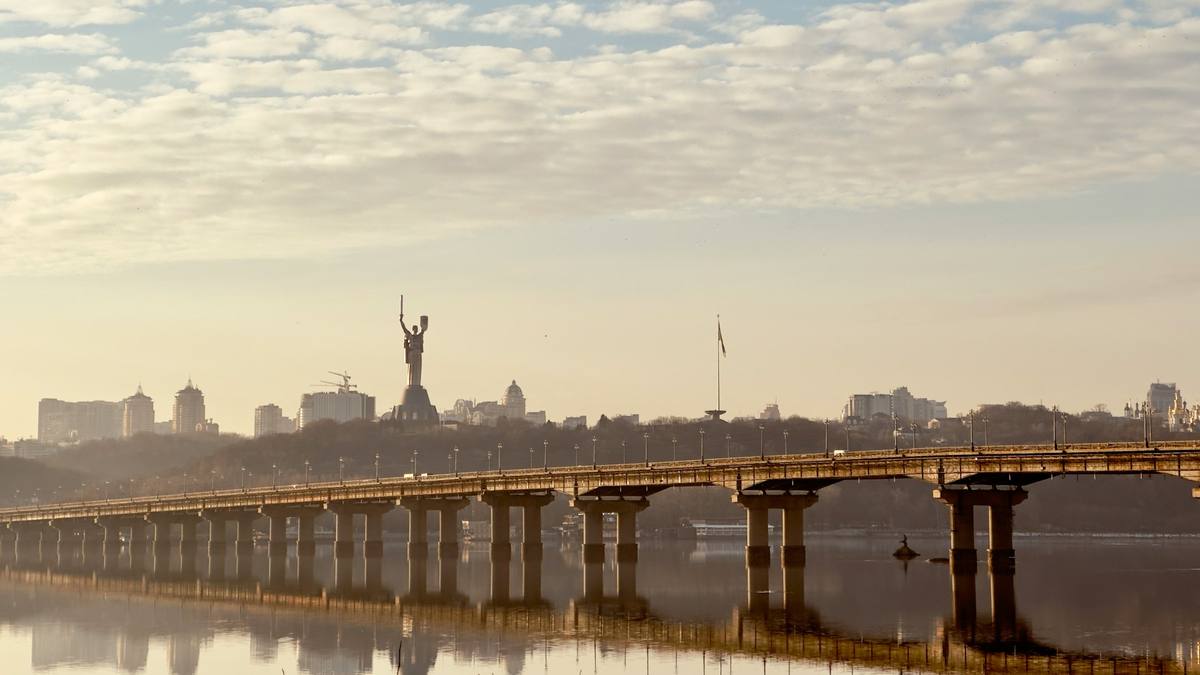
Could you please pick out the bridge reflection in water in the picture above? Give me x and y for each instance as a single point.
(774, 624)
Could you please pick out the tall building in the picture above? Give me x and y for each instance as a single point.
(188, 414)
(576, 422)
(770, 413)
(1160, 397)
(900, 402)
(267, 419)
(138, 414)
(339, 406)
(67, 421)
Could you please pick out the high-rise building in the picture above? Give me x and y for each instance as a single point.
(188, 414)
(67, 421)
(900, 403)
(577, 422)
(770, 413)
(138, 414)
(267, 420)
(1160, 397)
(339, 406)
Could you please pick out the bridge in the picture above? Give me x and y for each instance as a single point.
(962, 478)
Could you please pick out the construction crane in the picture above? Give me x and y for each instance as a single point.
(343, 387)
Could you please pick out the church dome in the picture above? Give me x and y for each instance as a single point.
(513, 392)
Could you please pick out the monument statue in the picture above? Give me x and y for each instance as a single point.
(415, 406)
(414, 346)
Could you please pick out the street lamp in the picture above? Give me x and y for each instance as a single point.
(274, 475)
(674, 449)
(377, 467)
(593, 452)
(622, 451)
(762, 448)
(212, 482)
(727, 439)
(456, 460)
(546, 455)
(531, 457)
(106, 484)
(307, 468)
(785, 444)
(576, 454)
(702, 446)
(342, 470)
(914, 435)
(971, 425)
(646, 447)
(847, 436)
(827, 437)
(244, 478)
(1054, 425)
(499, 461)
(985, 436)
(415, 453)
(895, 433)
(1064, 425)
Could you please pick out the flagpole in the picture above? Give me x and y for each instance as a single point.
(718, 362)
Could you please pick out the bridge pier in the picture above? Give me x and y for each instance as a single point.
(8, 542)
(962, 503)
(244, 546)
(593, 526)
(372, 512)
(758, 507)
(305, 516)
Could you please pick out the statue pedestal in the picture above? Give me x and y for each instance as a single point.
(415, 406)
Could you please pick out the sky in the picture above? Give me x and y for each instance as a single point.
(982, 200)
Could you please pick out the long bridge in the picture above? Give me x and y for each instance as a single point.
(962, 478)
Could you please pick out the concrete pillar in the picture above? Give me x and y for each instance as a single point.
(418, 531)
(448, 533)
(50, 538)
(758, 588)
(277, 566)
(245, 533)
(216, 559)
(187, 536)
(305, 570)
(1004, 605)
(626, 576)
(447, 576)
(501, 570)
(627, 536)
(93, 540)
(593, 580)
(8, 541)
(758, 548)
(162, 534)
(961, 503)
(306, 533)
(29, 541)
(216, 535)
(793, 592)
(418, 576)
(593, 534)
(501, 545)
(531, 579)
(962, 591)
(343, 533)
(137, 539)
(111, 529)
(373, 537)
(373, 573)
(793, 536)
(277, 545)
(531, 532)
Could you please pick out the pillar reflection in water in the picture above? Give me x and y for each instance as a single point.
(1004, 605)
(305, 569)
(448, 576)
(593, 581)
(276, 567)
(216, 564)
(418, 571)
(531, 577)
(501, 569)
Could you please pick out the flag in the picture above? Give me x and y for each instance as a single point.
(720, 338)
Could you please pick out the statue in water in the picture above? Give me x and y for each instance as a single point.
(414, 345)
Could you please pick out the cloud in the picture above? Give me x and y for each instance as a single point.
(71, 12)
(296, 133)
(52, 42)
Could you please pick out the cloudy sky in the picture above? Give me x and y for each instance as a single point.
(984, 200)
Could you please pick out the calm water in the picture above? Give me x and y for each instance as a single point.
(684, 608)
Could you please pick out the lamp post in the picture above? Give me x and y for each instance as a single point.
(377, 467)
(646, 447)
(106, 485)
(546, 455)
(1054, 425)
(1064, 426)
(212, 481)
(674, 449)
(456, 460)
(971, 425)
(702, 446)
(785, 443)
(728, 438)
(414, 460)
(342, 470)
(593, 452)
(847, 436)
(762, 448)
(499, 462)
(244, 479)
(623, 460)
(274, 475)
(826, 437)
(576, 454)
(531, 457)
(489, 462)
(307, 470)
(895, 434)
(913, 428)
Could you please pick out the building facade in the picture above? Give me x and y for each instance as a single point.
(137, 416)
(71, 421)
(511, 406)
(187, 416)
(339, 406)
(1160, 397)
(901, 403)
(576, 422)
(267, 419)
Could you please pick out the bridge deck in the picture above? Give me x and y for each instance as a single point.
(996, 465)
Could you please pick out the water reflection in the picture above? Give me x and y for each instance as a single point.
(321, 614)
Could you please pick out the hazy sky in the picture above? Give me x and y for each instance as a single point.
(985, 201)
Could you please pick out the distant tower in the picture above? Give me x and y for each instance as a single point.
(267, 419)
(514, 402)
(138, 415)
(189, 410)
